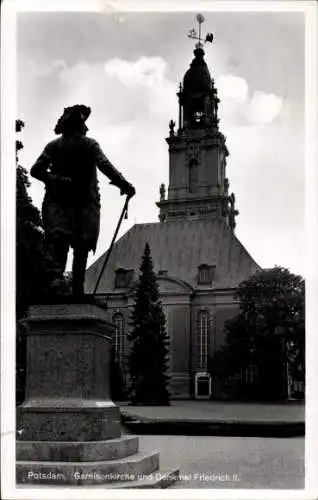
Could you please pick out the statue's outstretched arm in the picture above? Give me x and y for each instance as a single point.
(108, 169)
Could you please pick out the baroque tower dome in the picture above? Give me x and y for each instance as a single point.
(197, 78)
(198, 97)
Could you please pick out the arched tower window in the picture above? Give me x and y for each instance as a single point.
(119, 336)
(203, 339)
(193, 175)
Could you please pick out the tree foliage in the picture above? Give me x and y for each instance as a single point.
(148, 359)
(269, 331)
(33, 265)
(272, 303)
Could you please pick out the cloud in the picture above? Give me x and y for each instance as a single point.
(232, 88)
(149, 75)
(145, 71)
(264, 108)
(238, 108)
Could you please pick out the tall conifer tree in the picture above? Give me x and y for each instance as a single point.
(148, 360)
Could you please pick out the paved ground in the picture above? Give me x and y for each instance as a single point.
(220, 411)
(231, 462)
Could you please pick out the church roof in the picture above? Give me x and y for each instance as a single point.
(178, 247)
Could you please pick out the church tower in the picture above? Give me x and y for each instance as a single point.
(198, 186)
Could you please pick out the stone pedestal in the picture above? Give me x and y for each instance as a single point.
(68, 428)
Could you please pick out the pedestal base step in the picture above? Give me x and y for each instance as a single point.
(127, 469)
(78, 451)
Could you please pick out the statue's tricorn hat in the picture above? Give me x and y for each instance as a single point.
(73, 118)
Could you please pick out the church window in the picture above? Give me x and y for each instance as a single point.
(206, 274)
(193, 175)
(250, 374)
(203, 339)
(162, 272)
(120, 278)
(123, 277)
(119, 336)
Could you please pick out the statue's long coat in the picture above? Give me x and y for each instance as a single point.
(72, 210)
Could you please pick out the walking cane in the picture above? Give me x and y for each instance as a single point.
(124, 214)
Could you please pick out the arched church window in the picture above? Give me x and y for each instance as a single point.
(119, 336)
(203, 339)
(251, 373)
(193, 175)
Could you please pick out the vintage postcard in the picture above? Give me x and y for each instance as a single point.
(159, 249)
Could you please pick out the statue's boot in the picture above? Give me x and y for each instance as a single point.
(58, 249)
(78, 271)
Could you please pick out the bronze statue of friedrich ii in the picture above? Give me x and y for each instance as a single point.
(71, 205)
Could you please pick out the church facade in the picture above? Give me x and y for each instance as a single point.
(198, 259)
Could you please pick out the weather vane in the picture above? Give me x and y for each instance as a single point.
(194, 35)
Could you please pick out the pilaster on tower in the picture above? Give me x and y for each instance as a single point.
(198, 187)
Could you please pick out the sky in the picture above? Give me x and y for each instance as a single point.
(127, 68)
